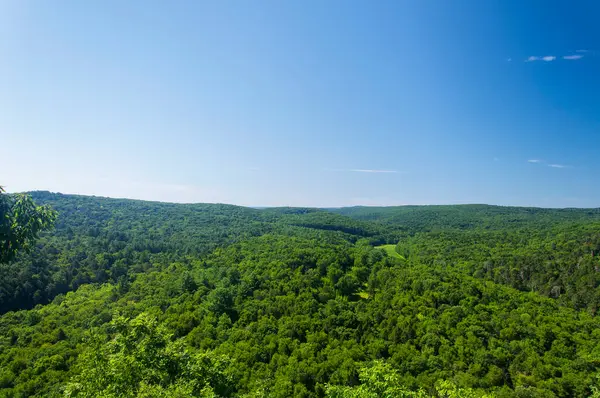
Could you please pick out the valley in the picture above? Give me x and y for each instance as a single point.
(133, 298)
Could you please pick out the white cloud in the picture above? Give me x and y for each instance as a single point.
(553, 165)
(550, 58)
(546, 58)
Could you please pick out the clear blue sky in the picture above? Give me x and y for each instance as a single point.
(303, 103)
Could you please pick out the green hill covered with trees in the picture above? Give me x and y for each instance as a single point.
(128, 298)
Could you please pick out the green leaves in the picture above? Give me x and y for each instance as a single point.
(21, 222)
(378, 380)
(138, 359)
(226, 301)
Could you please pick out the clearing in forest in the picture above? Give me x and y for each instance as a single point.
(391, 251)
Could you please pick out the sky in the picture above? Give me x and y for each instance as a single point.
(303, 103)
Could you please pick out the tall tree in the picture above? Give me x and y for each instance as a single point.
(21, 221)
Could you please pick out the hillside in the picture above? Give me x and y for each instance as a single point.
(126, 298)
(98, 240)
(554, 252)
(442, 217)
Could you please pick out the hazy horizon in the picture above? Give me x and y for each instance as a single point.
(310, 207)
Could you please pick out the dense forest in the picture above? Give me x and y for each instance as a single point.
(126, 298)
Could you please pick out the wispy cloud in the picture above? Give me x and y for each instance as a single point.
(546, 58)
(553, 165)
(364, 171)
(372, 171)
(550, 58)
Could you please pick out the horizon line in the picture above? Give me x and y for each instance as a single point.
(307, 207)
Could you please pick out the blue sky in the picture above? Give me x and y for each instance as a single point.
(305, 103)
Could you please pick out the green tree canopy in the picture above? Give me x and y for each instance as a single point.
(140, 360)
(21, 221)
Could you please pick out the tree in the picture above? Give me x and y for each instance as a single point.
(21, 221)
(377, 380)
(138, 359)
(380, 380)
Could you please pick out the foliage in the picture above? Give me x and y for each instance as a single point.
(466, 217)
(377, 380)
(555, 252)
(140, 360)
(391, 251)
(192, 300)
(100, 240)
(21, 222)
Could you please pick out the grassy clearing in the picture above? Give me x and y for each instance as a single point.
(391, 251)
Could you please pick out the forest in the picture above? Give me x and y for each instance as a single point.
(126, 298)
